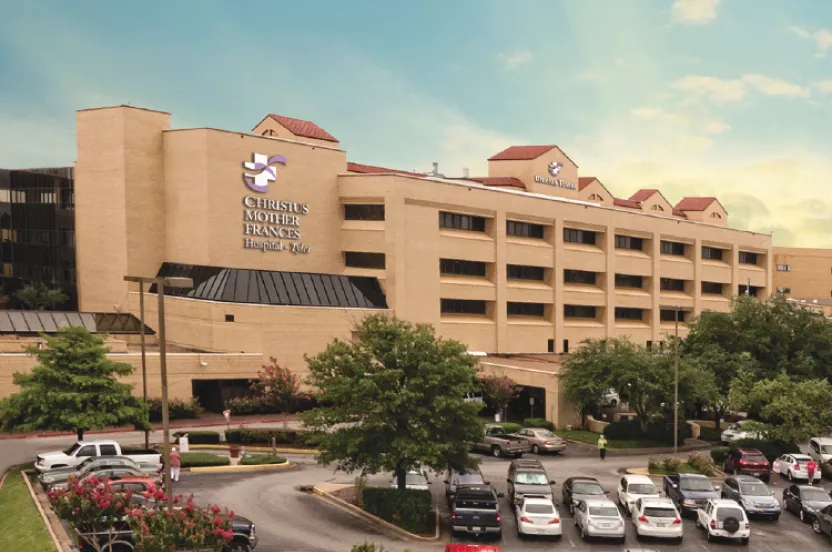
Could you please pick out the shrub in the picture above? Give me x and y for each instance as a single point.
(177, 409)
(511, 427)
(770, 449)
(539, 422)
(242, 406)
(203, 459)
(367, 546)
(199, 437)
(263, 436)
(654, 464)
(671, 464)
(261, 459)
(704, 464)
(659, 431)
(408, 509)
(718, 454)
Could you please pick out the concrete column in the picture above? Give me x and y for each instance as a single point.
(557, 282)
(500, 309)
(697, 276)
(395, 284)
(655, 287)
(609, 281)
(735, 270)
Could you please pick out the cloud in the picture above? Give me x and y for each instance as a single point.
(695, 122)
(693, 11)
(722, 91)
(824, 86)
(716, 127)
(659, 114)
(512, 60)
(822, 39)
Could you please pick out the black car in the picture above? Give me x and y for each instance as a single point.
(823, 521)
(576, 489)
(805, 501)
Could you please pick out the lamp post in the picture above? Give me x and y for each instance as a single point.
(161, 283)
(676, 386)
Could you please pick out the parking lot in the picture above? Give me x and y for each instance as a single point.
(291, 521)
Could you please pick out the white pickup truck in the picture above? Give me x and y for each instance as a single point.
(83, 450)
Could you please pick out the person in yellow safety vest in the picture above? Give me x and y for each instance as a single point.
(602, 446)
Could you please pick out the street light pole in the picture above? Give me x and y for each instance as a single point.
(144, 358)
(676, 387)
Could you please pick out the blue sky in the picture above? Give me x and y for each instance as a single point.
(731, 98)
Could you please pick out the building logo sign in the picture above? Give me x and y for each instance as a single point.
(554, 170)
(555, 167)
(259, 181)
(270, 224)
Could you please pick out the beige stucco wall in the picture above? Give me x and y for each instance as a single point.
(809, 274)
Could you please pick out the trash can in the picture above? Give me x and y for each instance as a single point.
(183, 443)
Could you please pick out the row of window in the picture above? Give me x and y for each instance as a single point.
(472, 306)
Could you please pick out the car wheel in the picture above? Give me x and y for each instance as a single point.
(790, 476)
(496, 452)
(711, 537)
(239, 547)
(535, 449)
(816, 526)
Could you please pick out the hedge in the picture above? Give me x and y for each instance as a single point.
(770, 449)
(242, 436)
(510, 427)
(177, 409)
(659, 432)
(242, 406)
(409, 509)
(261, 459)
(199, 437)
(203, 459)
(719, 454)
(539, 422)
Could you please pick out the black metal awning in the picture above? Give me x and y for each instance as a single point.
(36, 322)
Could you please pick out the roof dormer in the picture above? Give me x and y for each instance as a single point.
(278, 126)
(542, 169)
(704, 209)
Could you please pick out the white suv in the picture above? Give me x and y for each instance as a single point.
(723, 518)
(633, 487)
(657, 517)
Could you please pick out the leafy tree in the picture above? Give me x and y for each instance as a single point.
(37, 296)
(398, 400)
(500, 389)
(279, 388)
(73, 387)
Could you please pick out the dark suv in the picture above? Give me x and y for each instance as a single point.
(748, 461)
(528, 476)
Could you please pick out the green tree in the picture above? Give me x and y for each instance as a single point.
(397, 395)
(38, 296)
(279, 388)
(73, 387)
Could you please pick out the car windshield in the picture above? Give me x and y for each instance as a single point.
(826, 449)
(724, 513)
(642, 489)
(587, 489)
(603, 511)
(755, 489)
(72, 449)
(468, 479)
(814, 495)
(754, 458)
(695, 484)
(525, 478)
(660, 512)
(415, 479)
(540, 509)
(545, 433)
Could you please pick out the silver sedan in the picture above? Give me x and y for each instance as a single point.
(542, 440)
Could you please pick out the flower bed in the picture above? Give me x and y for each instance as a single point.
(696, 463)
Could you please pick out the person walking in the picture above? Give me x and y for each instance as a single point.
(602, 446)
(811, 467)
(175, 464)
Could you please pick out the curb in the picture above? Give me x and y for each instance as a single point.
(358, 512)
(642, 451)
(257, 449)
(643, 471)
(239, 468)
(55, 542)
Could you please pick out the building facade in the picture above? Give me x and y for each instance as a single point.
(804, 275)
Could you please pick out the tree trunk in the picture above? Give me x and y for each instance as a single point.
(401, 476)
(80, 433)
(285, 420)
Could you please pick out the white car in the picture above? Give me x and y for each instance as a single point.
(414, 480)
(820, 449)
(794, 466)
(537, 515)
(735, 433)
(599, 518)
(611, 398)
(657, 517)
(634, 487)
(723, 518)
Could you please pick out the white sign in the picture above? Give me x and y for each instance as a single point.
(555, 182)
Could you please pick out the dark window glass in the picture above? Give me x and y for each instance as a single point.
(713, 288)
(579, 277)
(571, 235)
(525, 309)
(461, 222)
(712, 253)
(462, 306)
(461, 268)
(629, 281)
(671, 284)
(672, 248)
(524, 229)
(629, 242)
(667, 315)
(364, 260)
(550, 345)
(521, 272)
(363, 212)
(781, 289)
(578, 311)
(108, 450)
(229, 318)
(749, 290)
(747, 257)
(625, 313)
(565, 345)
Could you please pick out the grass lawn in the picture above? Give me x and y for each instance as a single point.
(260, 459)
(683, 468)
(591, 438)
(21, 527)
(203, 459)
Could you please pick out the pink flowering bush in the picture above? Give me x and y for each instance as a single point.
(501, 389)
(277, 387)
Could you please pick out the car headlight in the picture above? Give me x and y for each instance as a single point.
(689, 502)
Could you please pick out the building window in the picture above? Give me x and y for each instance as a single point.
(672, 248)
(629, 242)
(550, 345)
(524, 229)
(521, 272)
(668, 315)
(363, 212)
(749, 290)
(784, 268)
(579, 311)
(525, 309)
(579, 277)
(461, 222)
(625, 313)
(565, 345)
(657, 208)
(628, 281)
(461, 268)
(462, 306)
(712, 288)
(712, 253)
(364, 260)
(716, 216)
(784, 290)
(649, 345)
(746, 257)
(595, 197)
(229, 318)
(671, 284)
(570, 235)
(5, 196)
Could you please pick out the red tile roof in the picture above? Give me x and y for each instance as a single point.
(643, 194)
(628, 203)
(307, 129)
(584, 181)
(516, 153)
(695, 203)
(498, 181)
(370, 169)
(679, 213)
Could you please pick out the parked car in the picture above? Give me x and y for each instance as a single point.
(528, 476)
(499, 443)
(657, 517)
(94, 464)
(610, 398)
(82, 450)
(576, 489)
(542, 440)
(823, 521)
(415, 480)
(476, 510)
(722, 518)
(747, 461)
(455, 479)
(793, 466)
(599, 517)
(820, 450)
(113, 474)
(689, 491)
(634, 487)
(805, 501)
(752, 494)
(537, 515)
(734, 432)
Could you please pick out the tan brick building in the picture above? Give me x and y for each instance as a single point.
(804, 275)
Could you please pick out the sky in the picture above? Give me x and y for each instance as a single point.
(731, 98)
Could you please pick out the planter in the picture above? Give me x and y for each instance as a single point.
(234, 451)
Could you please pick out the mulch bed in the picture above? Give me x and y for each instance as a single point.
(348, 495)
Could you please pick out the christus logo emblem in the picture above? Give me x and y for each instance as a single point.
(555, 167)
(263, 171)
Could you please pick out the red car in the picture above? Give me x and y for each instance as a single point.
(748, 461)
(471, 548)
